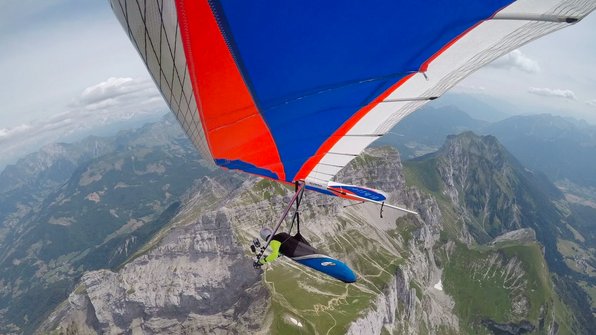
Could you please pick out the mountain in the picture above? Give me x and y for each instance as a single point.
(488, 189)
(77, 207)
(35, 137)
(564, 149)
(490, 184)
(25, 185)
(288, 298)
(477, 106)
(482, 257)
(425, 131)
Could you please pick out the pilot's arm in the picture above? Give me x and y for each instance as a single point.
(275, 245)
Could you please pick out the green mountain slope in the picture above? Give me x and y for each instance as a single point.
(481, 185)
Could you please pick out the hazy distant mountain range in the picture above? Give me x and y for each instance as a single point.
(562, 148)
(71, 127)
(489, 108)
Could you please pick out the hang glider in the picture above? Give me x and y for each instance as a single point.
(294, 90)
(300, 250)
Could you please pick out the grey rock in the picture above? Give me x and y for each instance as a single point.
(195, 279)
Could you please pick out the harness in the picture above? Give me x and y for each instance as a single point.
(256, 245)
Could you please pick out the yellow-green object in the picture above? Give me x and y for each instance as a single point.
(275, 245)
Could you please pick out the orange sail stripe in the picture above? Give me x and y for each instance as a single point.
(234, 127)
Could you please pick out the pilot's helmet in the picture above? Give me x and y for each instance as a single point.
(265, 232)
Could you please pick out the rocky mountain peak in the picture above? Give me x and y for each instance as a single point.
(485, 183)
(378, 168)
(482, 177)
(483, 151)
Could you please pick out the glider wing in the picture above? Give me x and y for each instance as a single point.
(294, 90)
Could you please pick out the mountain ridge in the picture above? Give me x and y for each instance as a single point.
(562, 148)
(400, 260)
(118, 193)
(411, 269)
(503, 197)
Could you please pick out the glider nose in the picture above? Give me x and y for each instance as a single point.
(349, 277)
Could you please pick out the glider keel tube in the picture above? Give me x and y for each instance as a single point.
(352, 192)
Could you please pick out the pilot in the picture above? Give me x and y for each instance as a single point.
(285, 244)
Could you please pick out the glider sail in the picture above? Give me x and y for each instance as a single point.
(295, 90)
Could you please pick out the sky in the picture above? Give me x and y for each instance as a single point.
(557, 72)
(68, 66)
(52, 51)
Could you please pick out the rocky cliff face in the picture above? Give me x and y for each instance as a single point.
(413, 301)
(486, 196)
(478, 178)
(195, 276)
(77, 207)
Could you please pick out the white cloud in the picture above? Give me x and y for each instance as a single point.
(112, 87)
(117, 98)
(117, 92)
(108, 102)
(8, 132)
(516, 60)
(549, 92)
(591, 103)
